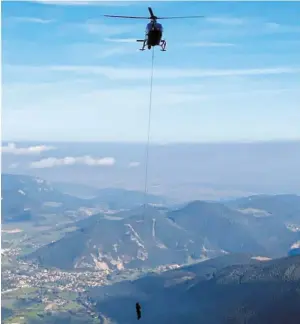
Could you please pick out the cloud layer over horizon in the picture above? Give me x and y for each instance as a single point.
(69, 160)
(11, 148)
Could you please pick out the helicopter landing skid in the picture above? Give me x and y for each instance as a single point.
(144, 43)
(162, 44)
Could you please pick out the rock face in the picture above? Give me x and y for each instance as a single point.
(136, 241)
(229, 289)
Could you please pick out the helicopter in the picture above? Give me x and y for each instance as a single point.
(154, 30)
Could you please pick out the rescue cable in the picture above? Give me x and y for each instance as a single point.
(148, 131)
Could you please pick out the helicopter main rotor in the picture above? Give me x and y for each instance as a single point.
(152, 16)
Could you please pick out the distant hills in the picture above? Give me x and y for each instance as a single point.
(228, 289)
(284, 207)
(115, 198)
(75, 189)
(25, 198)
(145, 239)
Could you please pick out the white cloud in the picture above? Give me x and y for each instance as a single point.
(14, 165)
(138, 74)
(65, 2)
(113, 51)
(251, 26)
(211, 44)
(296, 245)
(31, 20)
(83, 3)
(272, 27)
(226, 20)
(120, 40)
(81, 160)
(134, 164)
(102, 51)
(96, 96)
(98, 27)
(163, 73)
(11, 148)
(114, 112)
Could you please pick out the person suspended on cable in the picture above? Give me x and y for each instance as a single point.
(138, 311)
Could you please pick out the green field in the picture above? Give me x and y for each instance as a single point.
(29, 236)
(26, 306)
(29, 304)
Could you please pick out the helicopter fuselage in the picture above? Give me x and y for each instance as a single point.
(154, 37)
(154, 32)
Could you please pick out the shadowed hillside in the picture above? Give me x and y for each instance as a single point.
(245, 291)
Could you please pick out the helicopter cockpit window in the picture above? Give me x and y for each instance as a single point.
(156, 25)
(159, 27)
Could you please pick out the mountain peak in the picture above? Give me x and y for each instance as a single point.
(204, 208)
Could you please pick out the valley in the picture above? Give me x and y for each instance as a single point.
(57, 265)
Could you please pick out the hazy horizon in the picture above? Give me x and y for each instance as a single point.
(183, 171)
(155, 143)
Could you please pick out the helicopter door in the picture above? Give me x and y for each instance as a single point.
(154, 37)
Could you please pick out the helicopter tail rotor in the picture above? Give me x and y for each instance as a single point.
(152, 16)
(151, 12)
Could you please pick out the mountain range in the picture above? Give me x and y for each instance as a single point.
(115, 198)
(146, 238)
(285, 207)
(26, 198)
(155, 235)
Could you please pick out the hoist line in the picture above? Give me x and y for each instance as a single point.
(148, 132)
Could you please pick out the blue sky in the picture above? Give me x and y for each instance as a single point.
(71, 75)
